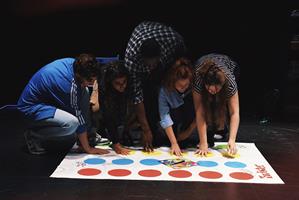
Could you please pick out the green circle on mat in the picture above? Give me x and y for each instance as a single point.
(221, 146)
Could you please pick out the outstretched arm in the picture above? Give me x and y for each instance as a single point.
(201, 124)
(233, 106)
(87, 148)
(147, 133)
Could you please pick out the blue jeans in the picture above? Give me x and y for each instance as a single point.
(63, 125)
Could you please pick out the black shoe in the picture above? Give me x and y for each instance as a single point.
(34, 144)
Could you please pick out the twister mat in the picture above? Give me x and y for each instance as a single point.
(248, 166)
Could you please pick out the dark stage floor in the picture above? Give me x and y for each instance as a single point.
(25, 176)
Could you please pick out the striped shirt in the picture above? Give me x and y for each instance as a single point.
(227, 66)
(52, 87)
(170, 42)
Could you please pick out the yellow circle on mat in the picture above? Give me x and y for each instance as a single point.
(132, 152)
(153, 153)
(209, 154)
(227, 155)
(183, 154)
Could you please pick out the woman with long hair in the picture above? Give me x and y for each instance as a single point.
(110, 97)
(216, 100)
(175, 104)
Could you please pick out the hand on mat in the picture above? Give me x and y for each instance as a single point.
(231, 147)
(175, 150)
(120, 150)
(93, 150)
(203, 149)
(147, 141)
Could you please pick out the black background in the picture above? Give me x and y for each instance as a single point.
(256, 35)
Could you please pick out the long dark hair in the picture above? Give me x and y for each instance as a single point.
(109, 73)
(215, 106)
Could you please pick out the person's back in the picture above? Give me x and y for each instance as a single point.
(50, 86)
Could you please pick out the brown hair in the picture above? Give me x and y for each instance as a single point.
(181, 69)
(215, 106)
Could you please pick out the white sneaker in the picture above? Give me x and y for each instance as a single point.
(218, 137)
(100, 139)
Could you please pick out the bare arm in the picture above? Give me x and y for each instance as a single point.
(94, 98)
(175, 149)
(233, 106)
(201, 123)
(87, 148)
(147, 134)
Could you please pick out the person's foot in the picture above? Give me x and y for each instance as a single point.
(33, 143)
(221, 135)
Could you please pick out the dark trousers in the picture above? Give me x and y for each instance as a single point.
(184, 115)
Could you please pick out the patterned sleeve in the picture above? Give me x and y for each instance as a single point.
(136, 89)
(75, 106)
(197, 80)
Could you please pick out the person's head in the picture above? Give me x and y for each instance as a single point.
(214, 92)
(150, 52)
(212, 77)
(116, 76)
(179, 76)
(85, 68)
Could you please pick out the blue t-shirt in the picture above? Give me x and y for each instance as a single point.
(52, 87)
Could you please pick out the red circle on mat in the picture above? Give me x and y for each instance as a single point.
(241, 175)
(210, 174)
(149, 173)
(180, 174)
(89, 172)
(119, 172)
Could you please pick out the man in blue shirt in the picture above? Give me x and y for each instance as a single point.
(56, 103)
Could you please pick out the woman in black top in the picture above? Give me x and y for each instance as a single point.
(113, 101)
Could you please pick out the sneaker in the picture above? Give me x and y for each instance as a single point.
(33, 143)
(218, 137)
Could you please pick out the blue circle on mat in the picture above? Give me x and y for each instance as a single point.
(94, 161)
(150, 162)
(122, 161)
(235, 164)
(207, 163)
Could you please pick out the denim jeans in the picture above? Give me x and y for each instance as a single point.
(63, 124)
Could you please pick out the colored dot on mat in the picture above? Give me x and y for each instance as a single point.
(209, 154)
(207, 163)
(227, 155)
(210, 174)
(180, 174)
(220, 146)
(150, 162)
(153, 153)
(122, 161)
(132, 152)
(183, 154)
(149, 173)
(94, 161)
(241, 175)
(235, 164)
(119, 172)
(89, 172)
